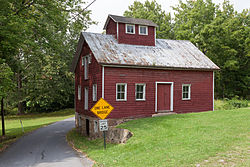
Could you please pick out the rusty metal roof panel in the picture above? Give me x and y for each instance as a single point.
(166, 53)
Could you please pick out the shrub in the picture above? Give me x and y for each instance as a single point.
(235, 103)
(227, 104)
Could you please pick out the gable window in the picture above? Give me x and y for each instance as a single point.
(86, 70)
(82, 61)
(121, 92)
(186, 91)
(79, 92)
(94, 92)
(130, 29)
(143, 30)
(140, 91)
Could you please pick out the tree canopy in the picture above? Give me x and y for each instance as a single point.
(152, 11)
(217, 30)
(38, 39)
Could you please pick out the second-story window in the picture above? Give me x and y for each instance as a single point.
(94, 92)
(130, 29)
(86, 65)
(143, 30)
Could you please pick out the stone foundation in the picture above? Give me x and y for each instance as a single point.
(89, 126)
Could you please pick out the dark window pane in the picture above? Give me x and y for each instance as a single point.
(122, 96)
(123, 88)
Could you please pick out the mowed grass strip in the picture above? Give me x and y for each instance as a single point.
(173, 140)
(30, 122)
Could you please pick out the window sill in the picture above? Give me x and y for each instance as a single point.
(121, 100)
(186, 99)
(129, 33)
(143, 34)
(140, 99)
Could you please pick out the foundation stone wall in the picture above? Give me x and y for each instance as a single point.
(89, 127)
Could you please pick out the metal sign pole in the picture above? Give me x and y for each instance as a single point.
(104, 138)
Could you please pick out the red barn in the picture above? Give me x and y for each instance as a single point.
(138, 74)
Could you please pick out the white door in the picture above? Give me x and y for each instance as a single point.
(86, 98)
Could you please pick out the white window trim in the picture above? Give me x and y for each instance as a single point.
(79, 92)
(89, 58)
(129, 25)
(189, 92)
(140, 30)
(86, 98)
(94, 90)
(144, 91)
(125, 95)
(86, 70)
(82, 61)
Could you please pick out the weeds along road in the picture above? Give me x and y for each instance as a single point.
(45, 147)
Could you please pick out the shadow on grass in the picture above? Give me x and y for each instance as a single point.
(85, 144)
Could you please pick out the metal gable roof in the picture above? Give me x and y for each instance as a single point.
(174, 54)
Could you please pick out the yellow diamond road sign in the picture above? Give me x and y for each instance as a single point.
(102, 108)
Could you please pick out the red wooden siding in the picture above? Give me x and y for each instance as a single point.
(201, 90)
(112, 28)
(163, 97)
(95, 74)
(136, 39)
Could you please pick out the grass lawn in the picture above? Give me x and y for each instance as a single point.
(219, 138)
(30, 122)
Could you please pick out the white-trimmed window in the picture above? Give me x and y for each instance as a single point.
(88, 60)
(143, 30)
(121, 92)
(130, 28)
(186, 91)
(86, 70)
(82, 61)
(140, 91)
(79, 92)
(94, 92)
(86, 98)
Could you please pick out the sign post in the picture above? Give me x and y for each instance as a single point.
(102, 109)
(103, 126)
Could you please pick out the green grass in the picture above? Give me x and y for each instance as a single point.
(30, 123)
(175, 140)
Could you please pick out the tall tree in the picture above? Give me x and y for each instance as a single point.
(38, 39)
(6, 84)
(223, 35)
(191, 17)
(227, 42)
(152, 11)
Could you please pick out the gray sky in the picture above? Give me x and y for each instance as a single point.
(101, 9)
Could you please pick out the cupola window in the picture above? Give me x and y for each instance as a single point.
(143, 30)
(130, 29)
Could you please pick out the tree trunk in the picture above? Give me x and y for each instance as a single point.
(2, 114)
(19, 87)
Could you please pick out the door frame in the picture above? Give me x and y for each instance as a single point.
(171, 97)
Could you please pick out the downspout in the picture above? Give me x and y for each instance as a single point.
(213, 90)
(103, 82)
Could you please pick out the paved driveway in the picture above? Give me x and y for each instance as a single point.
(45, 147)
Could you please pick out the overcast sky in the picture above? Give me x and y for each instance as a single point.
(101, 8)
